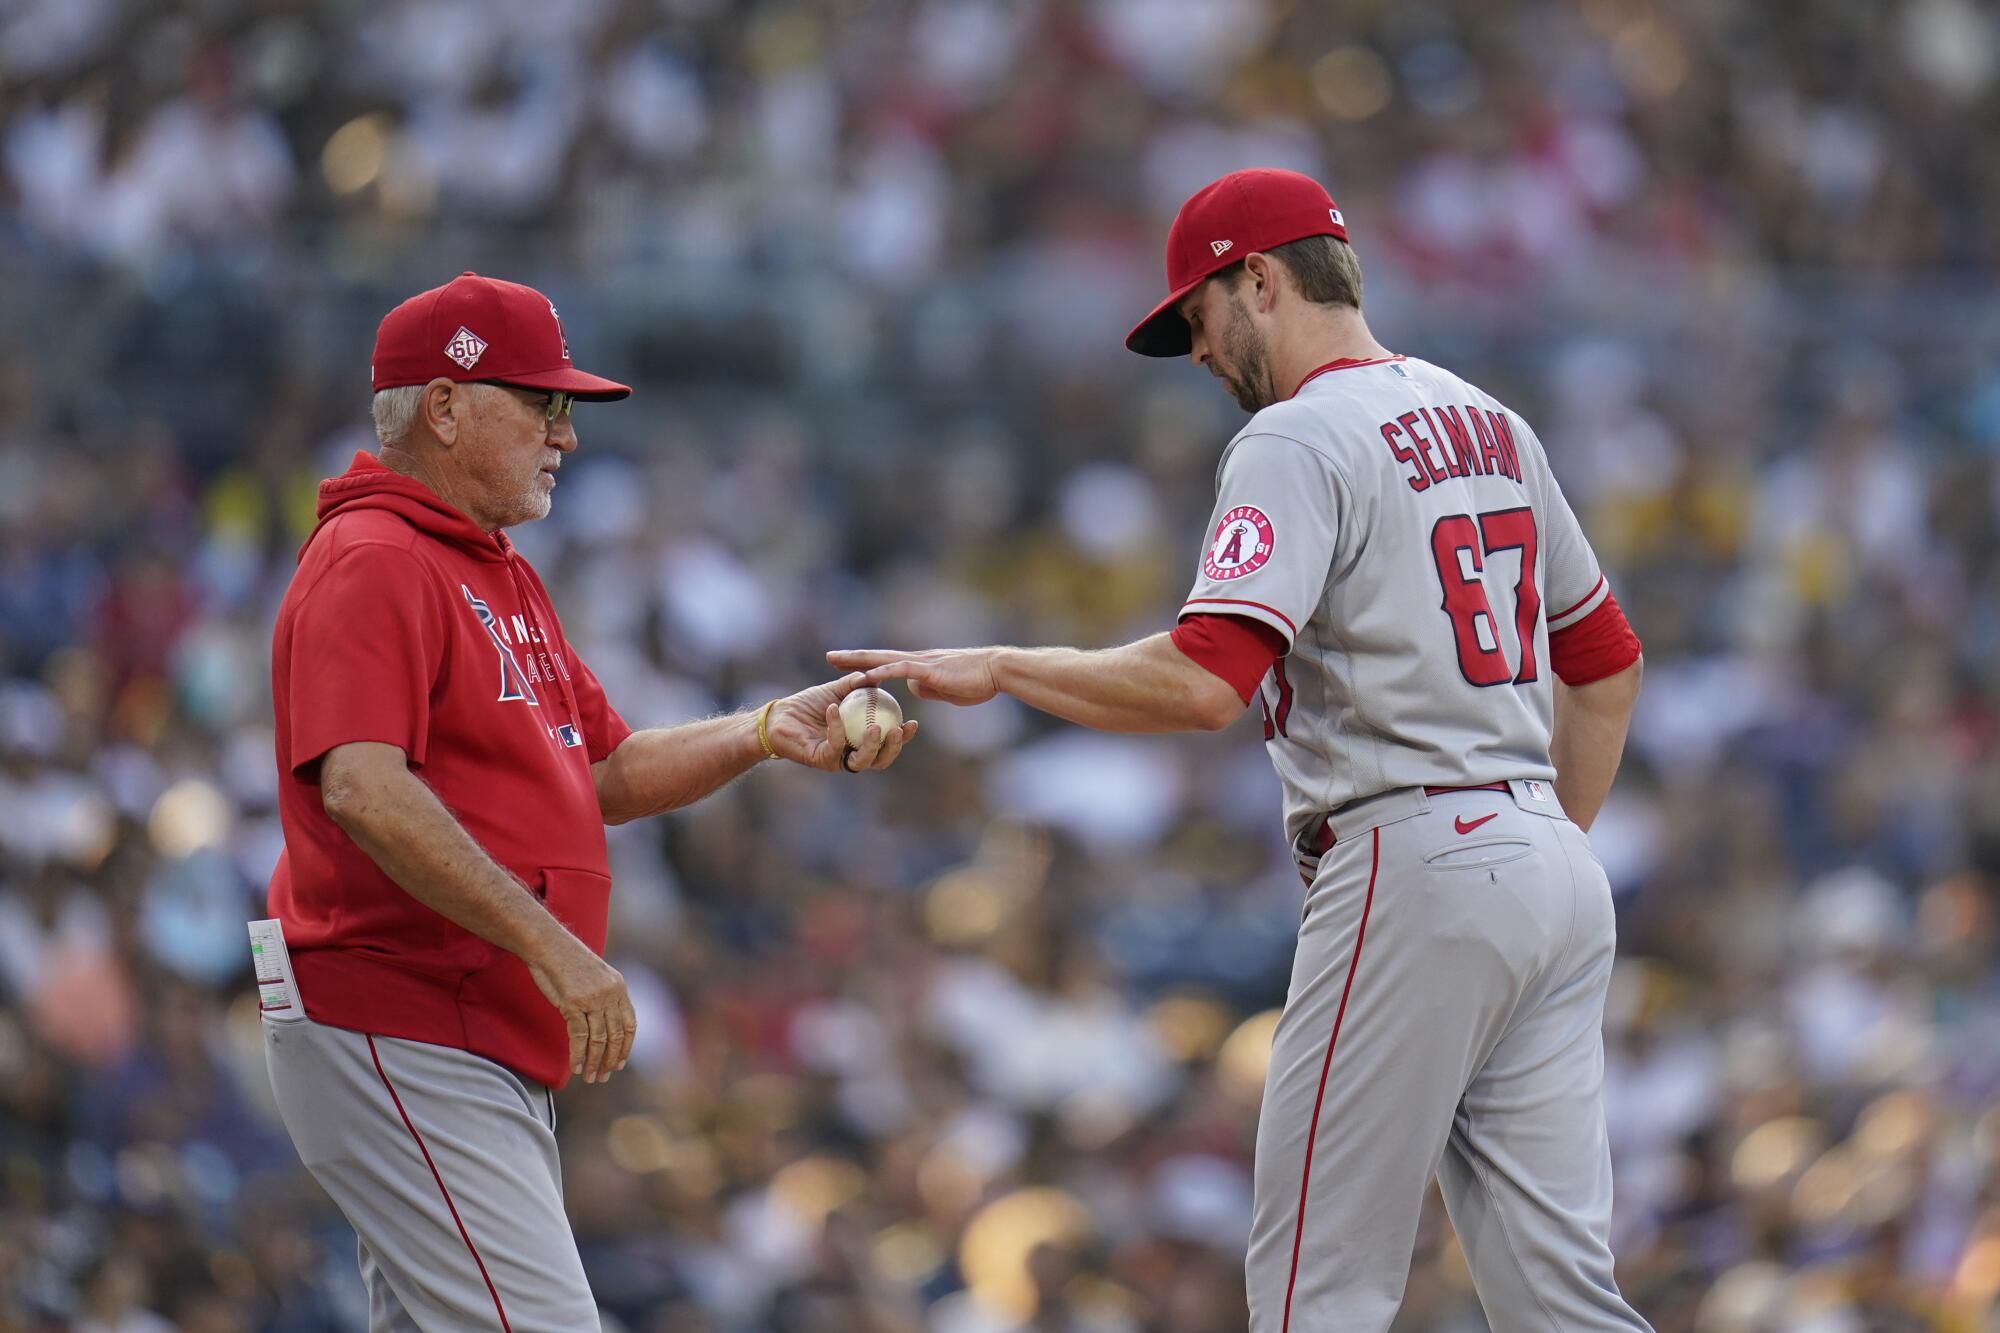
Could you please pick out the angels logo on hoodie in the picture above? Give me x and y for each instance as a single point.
(513, 681)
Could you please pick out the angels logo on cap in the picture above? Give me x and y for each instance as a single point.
(560, 331)
(1243, 543)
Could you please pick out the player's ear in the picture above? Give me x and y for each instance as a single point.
(1262, 271)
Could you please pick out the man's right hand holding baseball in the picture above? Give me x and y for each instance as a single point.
(806, 729)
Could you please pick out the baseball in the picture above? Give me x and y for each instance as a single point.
(868, 707)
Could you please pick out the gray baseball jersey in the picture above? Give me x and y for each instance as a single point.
(1401, 529)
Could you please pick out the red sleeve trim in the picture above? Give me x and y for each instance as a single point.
(1236, 648)
(1578, 605)
(1599, 645)
(1238, 601)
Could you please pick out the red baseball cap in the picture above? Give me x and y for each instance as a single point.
(475, 328)
(1245, 211)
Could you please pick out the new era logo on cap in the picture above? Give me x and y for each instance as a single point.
(465, 347)
(1220, 246)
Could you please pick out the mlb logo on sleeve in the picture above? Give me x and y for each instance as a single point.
(1242, 544)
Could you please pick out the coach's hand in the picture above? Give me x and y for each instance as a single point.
(590, 995)
(946, 675)
(806, 729)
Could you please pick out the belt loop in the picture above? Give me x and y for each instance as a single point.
(1358, 817)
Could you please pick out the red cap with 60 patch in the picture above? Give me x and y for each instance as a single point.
(475, 328)
(1245, 211)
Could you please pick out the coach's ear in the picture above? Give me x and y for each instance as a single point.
(440, 408)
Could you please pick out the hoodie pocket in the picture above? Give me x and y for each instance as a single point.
(580, 899)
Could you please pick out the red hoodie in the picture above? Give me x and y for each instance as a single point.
(406, 623)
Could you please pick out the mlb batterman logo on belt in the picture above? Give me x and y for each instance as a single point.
(1244, 540)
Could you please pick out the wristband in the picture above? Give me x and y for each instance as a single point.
(764, 730)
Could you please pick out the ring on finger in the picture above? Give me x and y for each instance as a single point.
(847, 754)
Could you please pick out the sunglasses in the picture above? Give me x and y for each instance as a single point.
(557, 402)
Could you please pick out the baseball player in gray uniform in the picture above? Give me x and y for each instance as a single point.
(1445, 681)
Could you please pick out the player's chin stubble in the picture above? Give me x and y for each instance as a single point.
(1250, 375)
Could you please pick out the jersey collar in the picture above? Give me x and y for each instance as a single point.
(1345, 363)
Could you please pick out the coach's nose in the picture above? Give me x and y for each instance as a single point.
(562, 435)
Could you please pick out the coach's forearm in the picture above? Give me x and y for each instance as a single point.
(1148, 686)
(665, 768)
(401, 825)
(1589, 740)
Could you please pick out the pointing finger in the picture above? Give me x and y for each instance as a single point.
(897, 670)
(860, 659)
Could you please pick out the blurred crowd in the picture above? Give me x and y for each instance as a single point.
(895, 141)
(977, 1048)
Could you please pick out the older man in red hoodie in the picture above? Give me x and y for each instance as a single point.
(448, 764)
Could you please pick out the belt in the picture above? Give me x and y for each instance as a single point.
(1321, 839)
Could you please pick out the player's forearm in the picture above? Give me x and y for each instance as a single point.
(1148, 686)
(1589, 740)
(666, 768)
(403, 828)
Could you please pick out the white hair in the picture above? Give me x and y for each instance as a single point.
(394, 410)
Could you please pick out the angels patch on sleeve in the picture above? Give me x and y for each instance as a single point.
(1243, 542)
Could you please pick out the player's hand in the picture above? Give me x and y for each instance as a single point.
(590, 995)
(806, 729)
(947, 675)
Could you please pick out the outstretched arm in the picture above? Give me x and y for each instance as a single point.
(1148, 686)
(666, 768)
(1590, 740)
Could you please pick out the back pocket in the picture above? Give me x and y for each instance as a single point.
(1480, 855)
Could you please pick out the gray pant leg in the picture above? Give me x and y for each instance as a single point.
(1365, 1076)
(445, 1165)
(1527, 1175)
(385, 1312)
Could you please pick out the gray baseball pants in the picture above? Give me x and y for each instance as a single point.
(1444, 1020)
(445, 1165)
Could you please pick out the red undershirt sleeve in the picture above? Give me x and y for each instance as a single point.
(1599, 645)
(1236, 648)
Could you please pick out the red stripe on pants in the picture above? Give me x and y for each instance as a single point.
(462, 1233)
(1305, 1177)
